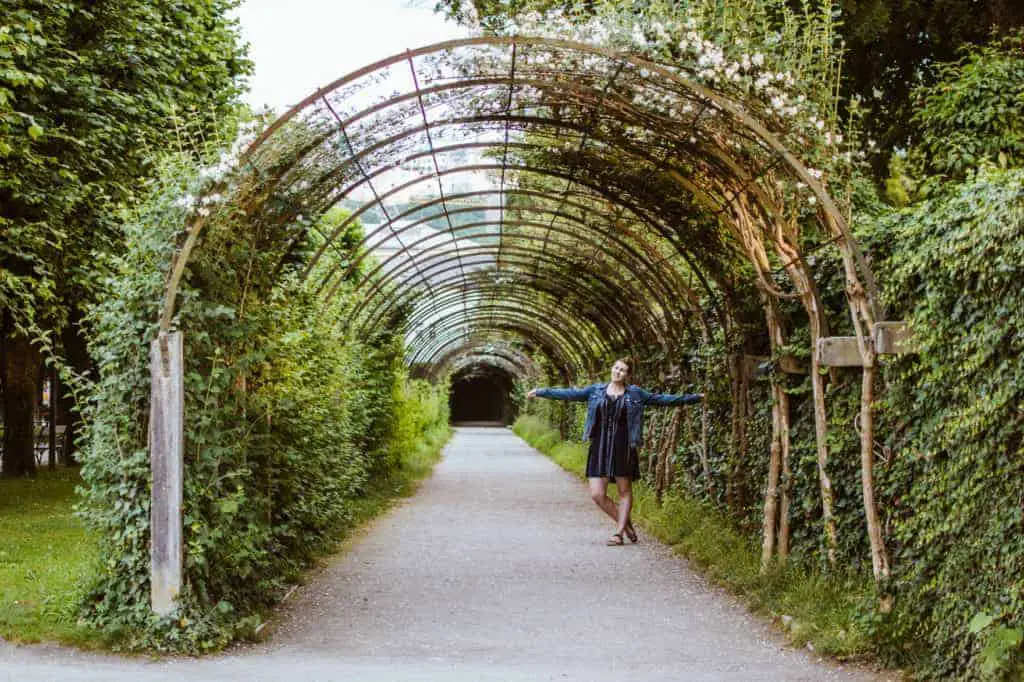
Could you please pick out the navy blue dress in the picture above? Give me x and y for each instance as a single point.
(610, 454)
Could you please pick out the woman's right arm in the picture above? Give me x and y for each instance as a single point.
(576, 394)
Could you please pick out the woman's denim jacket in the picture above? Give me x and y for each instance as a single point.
(636, 398)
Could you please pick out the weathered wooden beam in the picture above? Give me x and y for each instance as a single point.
(890, 338)
(839, 351)
(166, 445)
(893, 338)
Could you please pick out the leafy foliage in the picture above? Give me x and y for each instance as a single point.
(956, 487)
(973, 113)
(286, 421)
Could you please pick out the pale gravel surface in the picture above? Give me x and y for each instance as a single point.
(495, 570)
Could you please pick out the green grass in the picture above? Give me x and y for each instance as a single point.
(417, 464)
(46, 559)
(810, 607)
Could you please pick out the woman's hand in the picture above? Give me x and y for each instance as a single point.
(532, 394)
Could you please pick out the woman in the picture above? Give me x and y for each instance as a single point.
(614, 427)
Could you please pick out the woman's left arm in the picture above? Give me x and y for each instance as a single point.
(666, 399)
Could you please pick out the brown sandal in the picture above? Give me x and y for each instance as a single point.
(631, 533)
(615, 540)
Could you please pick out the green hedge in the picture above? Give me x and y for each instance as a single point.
(287, 420)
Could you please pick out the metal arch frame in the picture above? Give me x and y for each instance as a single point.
(551, 347)
(484, 251)
(617, 145)
(467, 352)
(457, 321)
(623, 323)
(834, 222)
(664, 231)
(496, 365)
(571, 325)
(365, 249)
(469, 345)
(628, 318)
(423, 317)
(471, 353)
(616, 257)
(505, 327)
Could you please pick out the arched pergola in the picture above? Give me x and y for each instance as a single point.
(557, 196)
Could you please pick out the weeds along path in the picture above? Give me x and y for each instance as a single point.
(496, 570)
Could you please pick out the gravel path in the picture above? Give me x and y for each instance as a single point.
(495, 570)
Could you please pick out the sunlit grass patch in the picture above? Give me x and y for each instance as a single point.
(47, 559)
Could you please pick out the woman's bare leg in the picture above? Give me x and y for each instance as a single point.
(599, 494)
(625, 486)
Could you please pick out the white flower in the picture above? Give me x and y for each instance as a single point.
(203, 211)
(757, 59)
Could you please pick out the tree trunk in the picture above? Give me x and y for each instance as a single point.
(76, 355)
(771, 495)
(818, 325)
(879, 554)
(19, 371)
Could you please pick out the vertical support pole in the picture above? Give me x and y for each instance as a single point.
(166, 450)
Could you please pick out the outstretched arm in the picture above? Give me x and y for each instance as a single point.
(576, 394)
(666, 399)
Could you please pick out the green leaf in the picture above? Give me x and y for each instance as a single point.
(979, 623)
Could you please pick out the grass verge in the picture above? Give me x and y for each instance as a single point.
(382, 492)
(813, 609)
(46, 559)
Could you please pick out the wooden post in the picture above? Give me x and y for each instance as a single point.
(166, 449)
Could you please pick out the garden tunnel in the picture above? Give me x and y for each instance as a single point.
(481, 391)
(528, 197)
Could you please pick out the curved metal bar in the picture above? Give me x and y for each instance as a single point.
(507, 321)
(615, 318)
(629, 314)
(504, 324)
(629, 319)
(439, 365)
(559, 124)
(364, 248)
(553, 315)
(834, 221)
(600, 191)
(513, 223)
(544, 307)
(523, 362)
(469, 352)
(628, 290)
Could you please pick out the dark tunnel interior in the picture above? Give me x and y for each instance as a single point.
(482, 393)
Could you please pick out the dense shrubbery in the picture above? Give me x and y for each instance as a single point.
(286, 421)
(955, 485)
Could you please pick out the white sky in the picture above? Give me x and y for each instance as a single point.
(300, 45)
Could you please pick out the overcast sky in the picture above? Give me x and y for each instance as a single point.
(300, 45)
